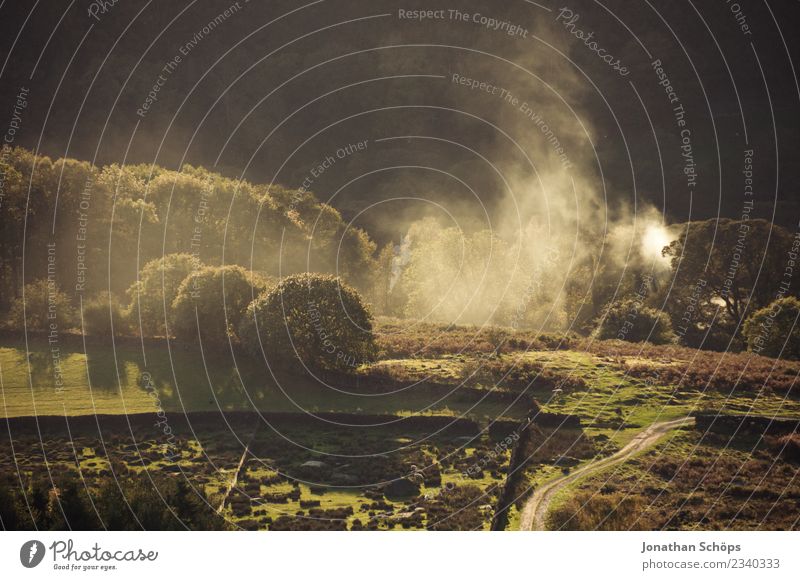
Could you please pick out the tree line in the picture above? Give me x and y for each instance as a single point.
(148, 251)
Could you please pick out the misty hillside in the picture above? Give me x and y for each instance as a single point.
(272, 90)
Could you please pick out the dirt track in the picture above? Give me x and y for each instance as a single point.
(536, 508)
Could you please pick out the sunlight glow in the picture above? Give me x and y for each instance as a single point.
(653, 241)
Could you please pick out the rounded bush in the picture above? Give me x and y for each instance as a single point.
(212, 301)
(154, 292)
(775, 329)
(312, 319)
(632, 321)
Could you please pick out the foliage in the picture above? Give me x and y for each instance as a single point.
(470, 278)
(694, 480)
(103, 313)
(155, 290)
(211, 302)
(41, 305)
(320, 319)
(724, 268)
(691, 370)
(168, 504)
(775, 329)
(592, 511)
(136, 504)
(27, 219)
(414, 338)
(126, 216)
(632, 321)
(520, 375)
(457, 508)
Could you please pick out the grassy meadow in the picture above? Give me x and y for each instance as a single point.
(321, 474)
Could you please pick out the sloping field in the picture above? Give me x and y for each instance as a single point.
(121, 380)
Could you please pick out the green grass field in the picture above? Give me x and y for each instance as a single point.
(107, 380)
(613, 406)
(611, 402)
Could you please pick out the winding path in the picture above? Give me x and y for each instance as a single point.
(536, 508)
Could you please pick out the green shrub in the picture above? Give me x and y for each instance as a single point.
(41, 305)
(313, 319)
(104, 312)
(775, 329)
(154, 292)
(633, 322)
(67, 504)
(212, 301)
